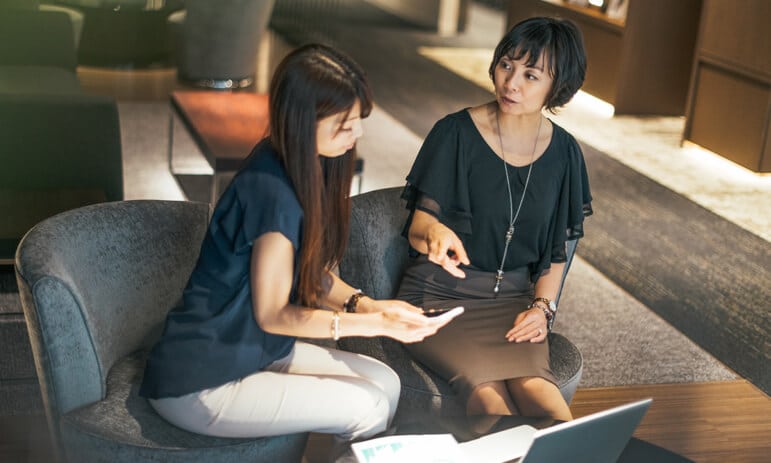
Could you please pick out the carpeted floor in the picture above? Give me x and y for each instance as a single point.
(704, 275)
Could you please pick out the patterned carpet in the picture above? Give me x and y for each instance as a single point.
(706, 276)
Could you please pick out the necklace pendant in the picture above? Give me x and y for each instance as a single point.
(498, 279)
(509, 233)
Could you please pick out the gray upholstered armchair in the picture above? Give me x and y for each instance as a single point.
(374, 262)
(216, 43)
(96, 283)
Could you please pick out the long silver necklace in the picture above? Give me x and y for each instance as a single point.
(512, 215)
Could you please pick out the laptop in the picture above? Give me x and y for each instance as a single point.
(596, 438)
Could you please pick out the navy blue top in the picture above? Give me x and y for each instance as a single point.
(213, 338)
(464, 178)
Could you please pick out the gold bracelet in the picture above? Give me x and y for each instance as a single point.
(335, 328)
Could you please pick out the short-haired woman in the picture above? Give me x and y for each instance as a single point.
(495, 192)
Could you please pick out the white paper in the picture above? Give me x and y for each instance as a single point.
(425, 448)
(498, 447)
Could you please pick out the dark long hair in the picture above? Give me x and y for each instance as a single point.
(311, 83)
(564, 55)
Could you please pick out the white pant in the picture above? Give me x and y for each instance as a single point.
(312, 389)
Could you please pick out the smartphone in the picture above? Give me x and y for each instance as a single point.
(448, 313)
(435, 312)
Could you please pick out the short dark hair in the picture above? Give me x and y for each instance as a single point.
(562, 45)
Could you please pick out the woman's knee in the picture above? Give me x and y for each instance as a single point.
(532, 386)
(383, 377)
(390, 382)
(535, 396)
(490, 398)
(372, 414)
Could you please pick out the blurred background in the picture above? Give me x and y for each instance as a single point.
(669, 295)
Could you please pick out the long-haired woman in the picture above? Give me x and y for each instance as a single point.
(229, 362)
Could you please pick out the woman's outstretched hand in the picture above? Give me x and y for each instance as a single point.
(405, 322)
(446, 249)
(442, 246)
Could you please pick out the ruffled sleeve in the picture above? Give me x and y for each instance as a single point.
(574, 204)
(438, 180)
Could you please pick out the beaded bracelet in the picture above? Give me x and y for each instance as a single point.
(350, 304)
(547, 310)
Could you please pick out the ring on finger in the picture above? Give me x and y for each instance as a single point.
(540, 332)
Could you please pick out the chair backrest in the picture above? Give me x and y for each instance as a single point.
(377, 252)
(96, 284)
(29, 37)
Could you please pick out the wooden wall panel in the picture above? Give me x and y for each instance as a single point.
(729, 109)
(730, 116)
(738, 33)
(641, 65)
(656, 61)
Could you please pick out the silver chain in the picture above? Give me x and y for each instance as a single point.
(512, 216)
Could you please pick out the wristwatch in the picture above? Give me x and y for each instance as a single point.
(549, 310)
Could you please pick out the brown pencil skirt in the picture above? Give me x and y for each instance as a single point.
(472, 348)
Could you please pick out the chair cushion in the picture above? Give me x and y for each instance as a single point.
(125, 428)
(566, 363)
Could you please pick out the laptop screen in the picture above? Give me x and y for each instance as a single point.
(596, 438)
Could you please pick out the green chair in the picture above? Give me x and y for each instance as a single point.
(37, 52)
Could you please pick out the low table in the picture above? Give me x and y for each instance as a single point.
(225, 127)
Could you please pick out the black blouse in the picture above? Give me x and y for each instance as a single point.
(458, 178)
